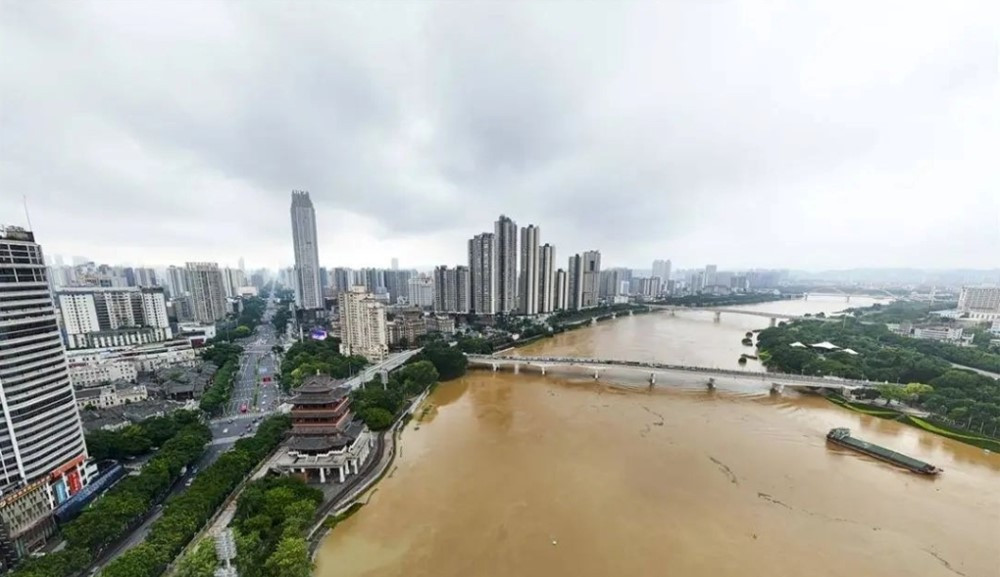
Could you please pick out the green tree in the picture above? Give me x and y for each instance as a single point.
(290, 559)
(913, 391)
(891, 392)
(377, 418)
(200, 562)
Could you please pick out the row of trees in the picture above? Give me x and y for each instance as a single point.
(138, 439)
(227, 356)
(271, 518)
(280, 320)
(186, 514)
(310, 357)
(965, 398)
(111, 517)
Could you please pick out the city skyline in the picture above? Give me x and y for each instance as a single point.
(852, 152)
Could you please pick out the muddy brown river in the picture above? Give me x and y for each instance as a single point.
(525, 475)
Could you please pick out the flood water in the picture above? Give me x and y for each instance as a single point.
(525, 475)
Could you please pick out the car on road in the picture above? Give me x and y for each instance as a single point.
(224, 431)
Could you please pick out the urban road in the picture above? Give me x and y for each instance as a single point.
(257, 361)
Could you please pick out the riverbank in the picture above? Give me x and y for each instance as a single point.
(927, 423)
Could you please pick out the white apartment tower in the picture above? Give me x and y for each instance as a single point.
(661, 268)
(529, 270)
(483, 274)
(546, 278)
(308, 293)
(584, 280)
(362, 325)
(109, 317)
(560, 300)
(208, 292)
(505, 269)
(42, 450)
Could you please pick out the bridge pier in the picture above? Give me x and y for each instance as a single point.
(718, 316)
(614, 315)
(597, 374)
(543, 370)
(848, 299)
(630, 312)
(517, 368)
(806, 297)
(494, 367)
(777, 388)
(593, 321)
(711, 384)
(652, 379)
(774, 322)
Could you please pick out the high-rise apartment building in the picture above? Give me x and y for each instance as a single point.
(362, 325)
(710, 272)
(584, 280)
(397, 284)
(208, 293)
(343, 279)
(982, 303)
(662, 269)
(177, 281)
(483, 274)
(560, 300)
(421, 291)
(529, 290)
(546, 278)
(112, 317)
(614, 282)
(308, 293)
(505, 270)
(42, 451)
(232, 280)
(452, 289)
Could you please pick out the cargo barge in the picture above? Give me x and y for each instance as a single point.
(842, 436)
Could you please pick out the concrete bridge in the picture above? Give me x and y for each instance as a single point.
(779, 381)
(734, 311)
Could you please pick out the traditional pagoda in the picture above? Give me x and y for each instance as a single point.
(325, 436)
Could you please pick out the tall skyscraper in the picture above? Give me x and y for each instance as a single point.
(308, 293)
(242, 264)
(661, 268)
(483, 273)
(546, 278)
(710, 272)
(421, 291)
(584, 279)
(395, 263)
(343, 279)
(177, 281)
(42, 450)
(451, 289)
(362, 325)
(505, 237)
(207, 291)
(560, 300)
(529, 290)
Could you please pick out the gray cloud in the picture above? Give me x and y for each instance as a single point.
(810, 136)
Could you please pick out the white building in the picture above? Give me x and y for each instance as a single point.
(104, 317)
(560, 301)
(584, 280)
(110, 396)
(362, 325)
(529, 289)
(89, 367)
(662, 269)
(421, 289)
(207, 291)
(42, 451)
(980, 303)
(306, 281)
(938, 333)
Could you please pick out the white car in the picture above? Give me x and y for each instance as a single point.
(224, 431)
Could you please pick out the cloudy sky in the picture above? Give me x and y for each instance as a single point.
(795, 134)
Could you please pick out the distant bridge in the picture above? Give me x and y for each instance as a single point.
(779, 381)
(736, 311)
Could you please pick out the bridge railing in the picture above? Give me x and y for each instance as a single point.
(579, 361)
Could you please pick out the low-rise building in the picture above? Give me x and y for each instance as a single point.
(443, 324)
(183, 383)
(26, 521)
(89, 367)
(406, 327)
(110, 395)
(937, 333)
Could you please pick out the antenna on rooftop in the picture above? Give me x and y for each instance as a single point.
(26, 214)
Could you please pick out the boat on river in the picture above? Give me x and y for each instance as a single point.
(842, 436)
